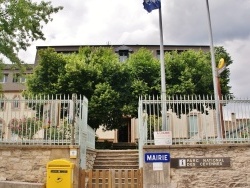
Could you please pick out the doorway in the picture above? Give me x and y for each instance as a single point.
(124, 131)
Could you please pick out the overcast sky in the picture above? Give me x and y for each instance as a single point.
(185, 22)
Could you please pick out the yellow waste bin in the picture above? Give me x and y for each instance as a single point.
(59, 174)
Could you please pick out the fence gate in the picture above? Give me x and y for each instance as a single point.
(111, 178)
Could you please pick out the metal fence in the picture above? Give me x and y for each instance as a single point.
(193, 120)
(52, 120)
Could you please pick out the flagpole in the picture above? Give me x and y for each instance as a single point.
(163, 79)
(215, 75)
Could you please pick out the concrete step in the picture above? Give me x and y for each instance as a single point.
(124, 145)
(117, 163)
(118, 151)
(116, 159)
(113, 155)
(114, 166)
(105, 159)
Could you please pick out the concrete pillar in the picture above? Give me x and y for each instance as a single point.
(153, 178)
(115, 136)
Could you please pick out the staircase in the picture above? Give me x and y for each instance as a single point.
(116, 159)
(124, 145)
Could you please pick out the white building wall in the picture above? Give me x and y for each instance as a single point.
(178, 125)
(105, 135)
(8, 113)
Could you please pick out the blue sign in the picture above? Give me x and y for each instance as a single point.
(157, 157)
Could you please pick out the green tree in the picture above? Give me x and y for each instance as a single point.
(90, 66)
(21, 21)
(46, 75)
(224, 78)
(113, 88)
(105, 107)
(144, 78)
(190, 72)
(93, 72)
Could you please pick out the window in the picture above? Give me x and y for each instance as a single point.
(16, 77)
(123, 52)
(158, 52)
(193, 125)
(1, 129)
(2, 102)
(4, 78)
(23, 79)
(16, 102)
(123, 55)
(169, 126)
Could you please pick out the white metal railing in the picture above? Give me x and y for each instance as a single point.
(91, 137)
(192, 119)
(47, 119)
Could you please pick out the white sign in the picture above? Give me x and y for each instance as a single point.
(182, 162)
(157, 166)
(163, 138)
(73, 153)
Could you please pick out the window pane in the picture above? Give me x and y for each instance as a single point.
(168, 123)
(123, 55)
(16, 78)
(193, 125)
(1, 104)
(4, 78)
(16, 103)
(1, 130)
(23, 79)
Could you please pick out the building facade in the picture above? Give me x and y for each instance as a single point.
(12, 107)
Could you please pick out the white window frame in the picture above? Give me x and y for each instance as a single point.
(193, 124)
(4, 78)
(16, 78)
(16, 102)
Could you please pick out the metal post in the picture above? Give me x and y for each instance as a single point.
(221, 114)
(215, 74)
(163, 79)
(73, 120)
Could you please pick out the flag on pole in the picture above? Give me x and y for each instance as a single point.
(150, 5)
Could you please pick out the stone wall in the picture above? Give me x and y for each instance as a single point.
(28, 163)
(91, 155)
(236, 175)
(20, 163)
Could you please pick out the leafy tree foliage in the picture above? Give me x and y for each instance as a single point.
(105, 107)
(220, 52)
(113, 88)
(190, 72)
(46, 76)
(93, 72)
(144, 79)
(21, 22)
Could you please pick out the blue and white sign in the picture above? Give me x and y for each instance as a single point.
(157, 157)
